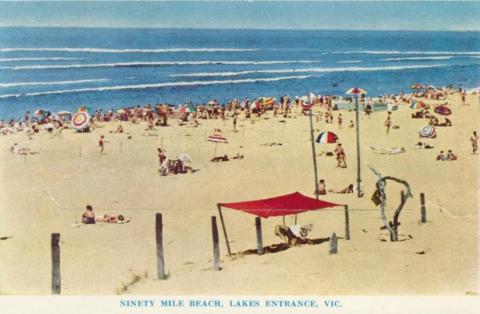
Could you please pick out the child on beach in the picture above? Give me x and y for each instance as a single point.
(474, 140)
(441, 156)
(88, 216)
(388, 123)
(340, 120)
(101, 143)
(322, 188)
(451, 156)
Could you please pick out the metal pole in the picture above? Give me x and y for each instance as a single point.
(313, 153)
(357, 119)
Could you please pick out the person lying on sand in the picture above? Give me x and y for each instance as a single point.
(421, 145)
(88, 216)
(120, 219)
(446, 123)
(237, 156)
(220, 158)
(347, 190)
(293, 235)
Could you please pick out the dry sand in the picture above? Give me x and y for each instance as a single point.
(47, 193)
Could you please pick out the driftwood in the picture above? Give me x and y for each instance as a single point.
(404, 195)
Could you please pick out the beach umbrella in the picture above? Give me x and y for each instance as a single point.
(217, 138)
(63, 113)
(356, 91)
(415, 105)
(428, 131)
(120, 111)
(417, 86)
(268, 101)
(327, 138)
(305, 98)
(80, 120)
(212, 102)
(443, 110)
(39, 112)
(185, 158)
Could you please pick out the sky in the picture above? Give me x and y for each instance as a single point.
(348, 15)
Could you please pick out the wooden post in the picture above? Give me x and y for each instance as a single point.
(159, 241)
(258, 226)
(216, 247)
(347, 224)
(423, 209)
(56, 282)
(312, 138)
(224, 229)
(357, 133)
(333, 244)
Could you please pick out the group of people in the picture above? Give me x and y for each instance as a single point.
(88, 217)
(171, 166)
(449, 156)
(322, 189)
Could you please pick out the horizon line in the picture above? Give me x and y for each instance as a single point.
(243, 28)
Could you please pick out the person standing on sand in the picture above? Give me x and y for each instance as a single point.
(235, 122)
(463, 97)
(340, 156)
(101, 143)
(340, 120)
(474, 141)
(388, 123)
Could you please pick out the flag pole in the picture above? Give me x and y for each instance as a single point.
(313, 152)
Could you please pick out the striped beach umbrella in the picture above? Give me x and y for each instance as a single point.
(428, 131)
(80, 120)
(268, 101)
(327, 138)
(217, 138)
(356, 91)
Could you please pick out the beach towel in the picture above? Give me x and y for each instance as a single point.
(387, 150)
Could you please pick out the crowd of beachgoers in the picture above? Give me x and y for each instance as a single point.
(159, 114)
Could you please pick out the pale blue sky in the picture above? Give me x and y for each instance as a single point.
(393, 15)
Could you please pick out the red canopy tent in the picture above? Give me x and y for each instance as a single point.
(288, 204)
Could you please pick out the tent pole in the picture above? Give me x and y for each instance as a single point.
(224, 229)
(313, 155)
(284, 220)
(296, 216)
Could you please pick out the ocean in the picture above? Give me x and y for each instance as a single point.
(64, 68)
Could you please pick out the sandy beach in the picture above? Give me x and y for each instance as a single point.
(47, 192)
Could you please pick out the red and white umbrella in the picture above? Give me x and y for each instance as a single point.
(80, 120)
(356, 91)
(327, 138)
(217, 138)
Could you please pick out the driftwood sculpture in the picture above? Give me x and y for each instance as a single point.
(380, 199)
